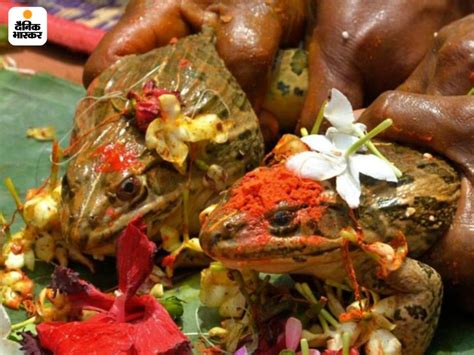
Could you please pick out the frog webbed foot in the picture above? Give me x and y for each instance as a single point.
(415, 293)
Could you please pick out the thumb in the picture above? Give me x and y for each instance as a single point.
(441, 123)
(146, 24)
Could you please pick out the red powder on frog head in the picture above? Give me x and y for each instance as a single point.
(115, 157)
(263, 189)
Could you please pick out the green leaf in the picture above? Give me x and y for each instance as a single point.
(31, 101)
(174, 306)
(196, 318)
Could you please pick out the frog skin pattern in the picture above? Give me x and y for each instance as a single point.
(283, 239)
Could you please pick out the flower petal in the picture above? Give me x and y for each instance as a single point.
(5, 324)
(316, 166)
(241, 351)
(373, 166)
(318, 143)
(360, 127)
(155, 132)
(10, 347)
(161, 137)
(341, 141)
(142, 319)
(348, 187)
(134, 257)
(293, 331)
(382, 341)
(81, 293)
(204, 127)
(170, 106)
(339, 111)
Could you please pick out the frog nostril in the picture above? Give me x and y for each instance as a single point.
(93, 222)
(233, 224)
(111, 196)
(209, 241)
(66, 191)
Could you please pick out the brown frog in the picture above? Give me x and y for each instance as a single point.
(112, 176)
(271, 221)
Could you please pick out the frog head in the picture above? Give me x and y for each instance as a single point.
(111, 179)
(273, 221)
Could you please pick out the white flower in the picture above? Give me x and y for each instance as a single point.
(328, 159)
(339, 112)
(170, 134)
(7, 346)
(381, 341)
(328, 156)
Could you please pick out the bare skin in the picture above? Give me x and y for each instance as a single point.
(365, 51)
(431, 109)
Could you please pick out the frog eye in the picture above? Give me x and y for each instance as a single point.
(282, 218)
(129, 188)
(282, 223)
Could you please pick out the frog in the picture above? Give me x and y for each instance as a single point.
(288, 87)
(97, 203)
(263, 223)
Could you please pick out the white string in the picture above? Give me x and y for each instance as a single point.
(112, 95)
(201, 334)
(120, 95)
(201, 97)
(98, 99)
(8, 63)
(152, 71)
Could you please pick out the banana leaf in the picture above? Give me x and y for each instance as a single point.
(42, 100)
(28, 102)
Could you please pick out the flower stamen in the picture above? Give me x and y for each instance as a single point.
(366, 138)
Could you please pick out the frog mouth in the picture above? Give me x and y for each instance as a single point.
(100, 241)
(255, 250)
(303, 264)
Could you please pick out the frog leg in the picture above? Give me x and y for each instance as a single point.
(416, 293)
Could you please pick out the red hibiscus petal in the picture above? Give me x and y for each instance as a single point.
(134, 257)
(157, 321)
(99, 335)
(81, 293)
(154, 333)
(129, 324)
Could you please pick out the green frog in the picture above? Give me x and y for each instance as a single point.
(112, 176)
(273, 222)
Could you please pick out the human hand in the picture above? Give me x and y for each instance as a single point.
(364, 48)
(444, 124)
